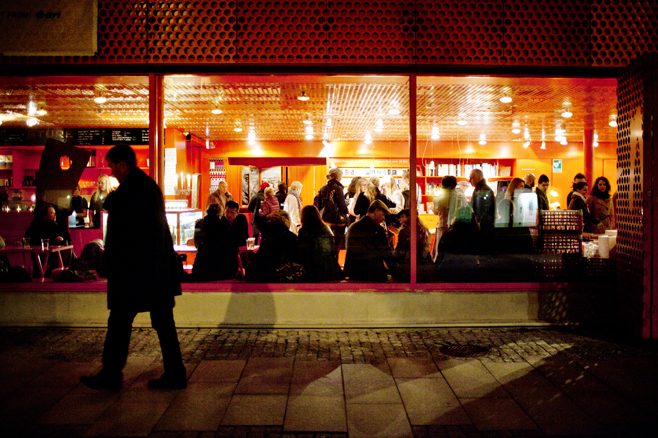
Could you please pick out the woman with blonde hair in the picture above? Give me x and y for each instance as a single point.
(359, 187)
(104, 188)
(505, 215)
(365, 199)
(393, 194)
(293, 205)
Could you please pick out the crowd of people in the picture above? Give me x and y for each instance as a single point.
(369, 219)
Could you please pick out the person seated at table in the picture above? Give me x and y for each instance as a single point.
(217, 255)
(403, 247)
(199, 233)
(98, 199)
(237, 222)
(44, 226)
(368, 256)
(316, 248)
(278, 251)
(79, 206)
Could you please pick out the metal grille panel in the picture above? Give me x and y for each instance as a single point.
(634, 171)
(346, 32)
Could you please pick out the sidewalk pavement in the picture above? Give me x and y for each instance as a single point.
(421, 382)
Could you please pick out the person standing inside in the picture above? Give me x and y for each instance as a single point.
(78, 205)
(104, 188)
(142, 273)
(293, 206)
(334, 176)
(542, 189)
(578, 202)
(220, 196)
(254, 208)
(483, 203)
(576, 179)
(281, 194)
(600, 205)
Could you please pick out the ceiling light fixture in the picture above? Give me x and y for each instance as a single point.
(303, 97)
(309, 132)
(251, 138)
(368, 139)
(543, 145)
(595, 143)
(216, 111)
(328, 122)
(435, 133)
(563, 141)
(505, 99)
(237, 129)
(483, 139)
(42, 112)
(31, 109)
(566, 113)
(613, 121)
(100, 99)
(394, 110)
(526, 144)
(462, 122)
(308, 121)
(379, 125)
(32, 121)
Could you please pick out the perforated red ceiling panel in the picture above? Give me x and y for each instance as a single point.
(457, 32)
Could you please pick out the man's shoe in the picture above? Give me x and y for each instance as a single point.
(103, 380)
(166, 382)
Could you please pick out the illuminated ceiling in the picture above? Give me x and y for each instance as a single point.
(339, 108)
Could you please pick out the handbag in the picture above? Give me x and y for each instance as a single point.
(330, 212)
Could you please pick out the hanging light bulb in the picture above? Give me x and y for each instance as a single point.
(100, 99)
(328, 122)
(32, 121)
(309, 132)
(516, 128)
(566, 113)
(483, 139)
(42, 112)
(563, 141)
(613, 121)
(393, 108)
(462, 122)
(595, 143)
(368, 138)
(237, 129)
(505, 99)
(435, 133)
(251, 138)
(379, 125)
(307, 121)
(303, 97)
(216, 111)
(543, 145)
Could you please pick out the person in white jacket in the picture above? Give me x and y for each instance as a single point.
(293, 205)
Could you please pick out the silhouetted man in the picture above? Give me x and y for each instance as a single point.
(142, 273)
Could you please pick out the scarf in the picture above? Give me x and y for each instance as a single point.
(296, 194)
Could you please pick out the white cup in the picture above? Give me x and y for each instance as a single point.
(45, 244)
(251, 242)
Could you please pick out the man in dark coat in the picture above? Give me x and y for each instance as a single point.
(483, 203)
(368, 250)
(237, 222)
(142, 273)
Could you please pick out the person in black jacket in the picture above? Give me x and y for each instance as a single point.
(334, 177)
(369, 256)
(217, 257)
(237, 222)
(254, 207)
(278, 248)
(142, 273)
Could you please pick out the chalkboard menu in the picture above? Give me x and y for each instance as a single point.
(78, 137)
(12, 137)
